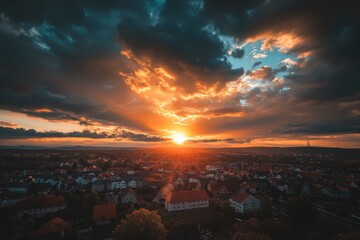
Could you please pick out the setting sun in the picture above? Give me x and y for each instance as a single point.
(179, 138)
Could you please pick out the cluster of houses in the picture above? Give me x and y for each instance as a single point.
(36, 193)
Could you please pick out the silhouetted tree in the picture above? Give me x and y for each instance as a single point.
(265, 211)
(141, 224)
(301, 210)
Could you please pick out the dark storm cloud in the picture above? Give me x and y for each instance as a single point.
(180, 42)
(322, 128)
(21, 133)
(332, 35)
(238, 53)
(58, 107)
(140, 137)
(256, 64)
(60, 55)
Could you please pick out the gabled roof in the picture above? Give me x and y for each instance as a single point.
(241, 197)
(53, 226)
(127, 191)
(186, 196)
(48, 201)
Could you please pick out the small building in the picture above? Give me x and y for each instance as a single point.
(344, 192)
(128, 196)
(244, 202)
(98, 186)
(217, 188)
(55, 228)
(161, 195)
(248, 187)
(86, 179)
(331, 193)
(19, 187)
(8, 198)
(104, 213)
(184, 200)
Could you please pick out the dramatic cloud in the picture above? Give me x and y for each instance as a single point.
(19, 133)
(238, 53)
(221, 71)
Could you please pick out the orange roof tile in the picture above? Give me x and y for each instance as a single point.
(33, 202)
(104, 212)
(186, 196)
(240, 197)
(53, 226)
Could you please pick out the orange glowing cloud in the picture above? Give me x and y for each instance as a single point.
(157, 86)
(284, 41)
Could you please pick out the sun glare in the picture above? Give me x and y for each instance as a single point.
(179, 138)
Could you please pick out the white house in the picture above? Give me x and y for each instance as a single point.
(244, 202)
(132, 184)
(183, 200)
(179, 181)
(116, 184)
(85, 180)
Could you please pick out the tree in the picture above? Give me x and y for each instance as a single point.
(141, 224)
(265, 211)
(250, 236)
(301, 210)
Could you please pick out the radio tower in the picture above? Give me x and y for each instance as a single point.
(307, 142)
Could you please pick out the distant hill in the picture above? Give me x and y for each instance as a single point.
(255, 150)
(293, 150)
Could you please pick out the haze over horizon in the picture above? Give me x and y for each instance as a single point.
(153, 73)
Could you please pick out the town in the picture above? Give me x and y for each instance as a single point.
(283, 193)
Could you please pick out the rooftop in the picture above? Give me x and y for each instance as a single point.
(186, 196)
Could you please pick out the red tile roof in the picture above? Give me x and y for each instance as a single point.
(241, 197)
(33, 202)
(186, 196)
(104, 212)
(53, 226)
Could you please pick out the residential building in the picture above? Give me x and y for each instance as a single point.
(98, 186)
(55, 227)
(244, 202)
(128, 196)
(183, 200)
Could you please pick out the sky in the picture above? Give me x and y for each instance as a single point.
(213, 73)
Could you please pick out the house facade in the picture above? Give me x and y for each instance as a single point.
(244, 203)
(184, 200)
(128, 196)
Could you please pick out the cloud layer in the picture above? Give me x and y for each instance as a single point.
(221, 71)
